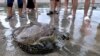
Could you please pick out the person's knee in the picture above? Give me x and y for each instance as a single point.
(20, 4)
(9, 3)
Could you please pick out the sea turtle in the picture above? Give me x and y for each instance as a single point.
(39, 38)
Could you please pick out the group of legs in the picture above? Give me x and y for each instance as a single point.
(22, 4)
(10, 5)
(55, 4)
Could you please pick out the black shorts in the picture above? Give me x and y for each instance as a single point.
(30, 4)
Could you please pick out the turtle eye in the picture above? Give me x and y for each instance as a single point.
(63, 37)
(66, 36)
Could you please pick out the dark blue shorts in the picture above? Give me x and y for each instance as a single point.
(10, 3)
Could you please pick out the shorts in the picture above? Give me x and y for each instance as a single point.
(10, 3)
(30, 4)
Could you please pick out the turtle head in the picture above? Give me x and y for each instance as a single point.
(66, 36)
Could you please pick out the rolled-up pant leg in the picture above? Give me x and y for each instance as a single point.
(10, 3)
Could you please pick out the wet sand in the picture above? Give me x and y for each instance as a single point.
(85, 40)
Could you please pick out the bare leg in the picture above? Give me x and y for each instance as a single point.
(20, 6)
(9, 11)
(52, 4)
(58, 5)
(93, 7)
(55, 4)
(52, 7)
(66, 4)
(93, 1)
(9, 8)
(86, 7)
(74, 6)
(24, 5)
(20, 11)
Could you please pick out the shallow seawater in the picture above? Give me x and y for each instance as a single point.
(85, 36)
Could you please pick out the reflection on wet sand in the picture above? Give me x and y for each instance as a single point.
(23, 21)
(98, 38)
(13, 22)
(85, 39)
(54, 20)
(32, 16)
(66, 22)
(97, 34)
